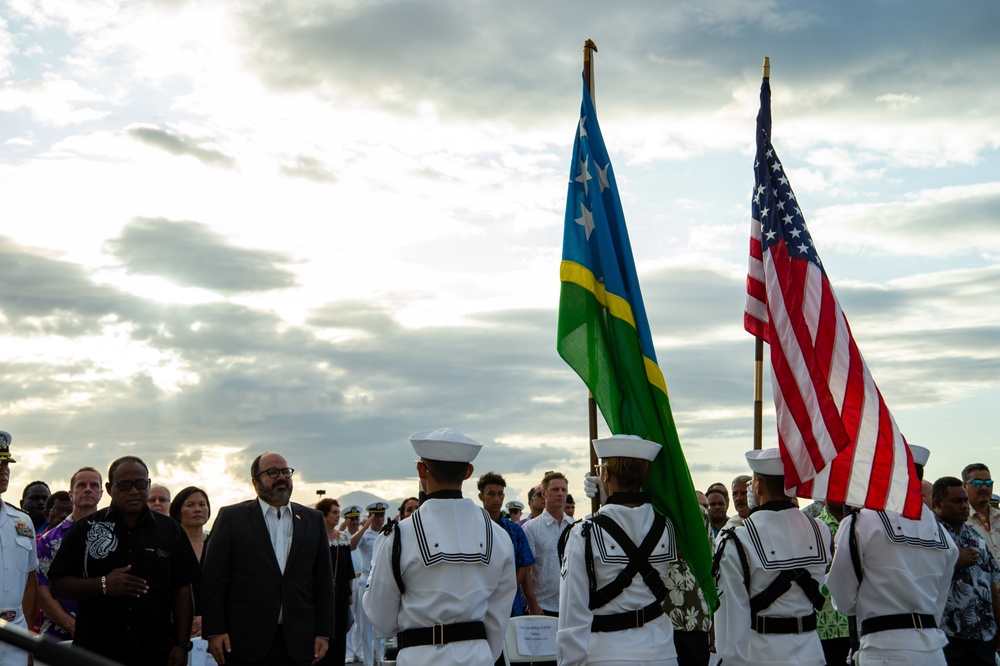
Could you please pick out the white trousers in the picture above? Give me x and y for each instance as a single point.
(875, 657)
(365, 628)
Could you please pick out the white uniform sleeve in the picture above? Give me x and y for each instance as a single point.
(500, 602)
(382, 598)
(732, 620)
(944, 586)
(842, 581)
(575, 616)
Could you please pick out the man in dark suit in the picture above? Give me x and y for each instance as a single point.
(268, 583)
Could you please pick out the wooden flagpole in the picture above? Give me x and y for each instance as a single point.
(589, 48)
(758, 355)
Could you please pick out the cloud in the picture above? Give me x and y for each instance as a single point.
(176, 143)
(53, 100)
(310, 168)
(951, 221)
(192, 255)
(897, 100)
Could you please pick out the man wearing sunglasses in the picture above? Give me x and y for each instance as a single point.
(131, 571)
(983, 518)
(268, 592)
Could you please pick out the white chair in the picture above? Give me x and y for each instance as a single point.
(538, 639)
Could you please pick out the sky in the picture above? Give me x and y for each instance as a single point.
(318, 226)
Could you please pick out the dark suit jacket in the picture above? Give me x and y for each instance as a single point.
(243, 588)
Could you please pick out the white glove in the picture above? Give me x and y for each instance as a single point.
(593, 488)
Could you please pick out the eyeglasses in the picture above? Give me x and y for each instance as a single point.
(138, 484)
(979, 483)
(273, 472)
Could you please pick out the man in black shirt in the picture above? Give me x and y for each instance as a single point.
(131, 571)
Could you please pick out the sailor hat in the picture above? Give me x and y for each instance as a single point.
(446, 445)
(515, 505)
(766, 461)
(353, 511)
(377, 507)
(920, 454)
(626, 446)
(5, 447)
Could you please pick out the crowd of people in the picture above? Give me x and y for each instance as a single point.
(276, 582)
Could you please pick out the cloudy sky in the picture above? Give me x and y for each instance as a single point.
(318, 226)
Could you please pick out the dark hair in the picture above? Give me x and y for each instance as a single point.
(255, 466)
(716, 491)
(446, 471)
(404, 503)
(722, 488)
(774, 483)
(969, 469)
(942, 485)
(24, 493)
(920, 471)
(175, 506)
(490, 479)
(72, 479)
(569, 500)
(124, 459)
(57, 496)
(742, 478)
(325, 504)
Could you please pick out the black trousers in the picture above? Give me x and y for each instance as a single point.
(692, 648)
(962, 652)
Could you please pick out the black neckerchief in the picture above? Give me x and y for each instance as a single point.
(773, 505)
(444, 494)
(629, 498)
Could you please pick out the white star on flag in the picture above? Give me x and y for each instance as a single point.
(586, 220)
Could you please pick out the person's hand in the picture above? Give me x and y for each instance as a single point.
(70, 626)
(320, 646)
(196, 626)
(219, 647)
(967, 556)
(120, 583)
(535, 609)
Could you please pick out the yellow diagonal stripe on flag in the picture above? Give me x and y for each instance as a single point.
(570, 271)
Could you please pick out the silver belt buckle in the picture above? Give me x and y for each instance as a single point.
(798, 620)
(917, 622)
(437, 635)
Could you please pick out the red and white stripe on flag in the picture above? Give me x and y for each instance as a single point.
(839, 441)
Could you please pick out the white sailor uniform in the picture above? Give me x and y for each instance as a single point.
(457, 569)
(630, 627)
(366, 546)
(18, 559)
(777, 540)
(906, 570)
(354, 651)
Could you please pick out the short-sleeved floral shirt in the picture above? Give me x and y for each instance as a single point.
(968, 611)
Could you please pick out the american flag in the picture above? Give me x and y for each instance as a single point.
(837, 438)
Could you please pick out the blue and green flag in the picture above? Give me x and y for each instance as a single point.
(604, 336)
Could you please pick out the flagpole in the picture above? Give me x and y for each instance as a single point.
(758, 354)
(589, 48)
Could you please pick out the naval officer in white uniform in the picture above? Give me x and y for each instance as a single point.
(604, 619)
(894, 574)
(443, 580)
(786, 554)
(18, 562)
